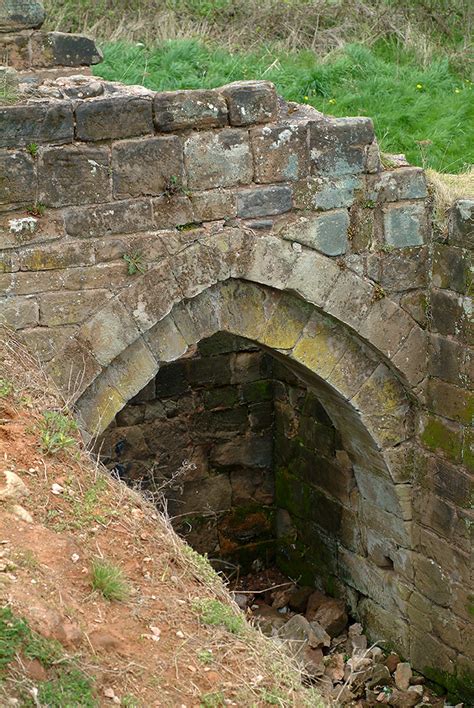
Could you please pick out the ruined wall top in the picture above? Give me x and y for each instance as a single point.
(21, 14)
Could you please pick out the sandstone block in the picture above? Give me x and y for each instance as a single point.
(63, 49)
(169, 212)
(17, 180)
(17, 48)
(109, 332)
(218, 159)
(124, 217)
(73, 368)
(400, 270)
(411, 358)
(450, 401)
(213, 204)
(461, 224)
(326, 193)
(280, 152)
(17, 229)
(114, 118)
(21, 14)
(451, 268)
(177, 110)
(446, 359)
(326, 232)
(146, 167)
(451, 314)
(338, 146)
(251, 102)
(405, 225)
(437, 433)
(36, 123)
(263, 201)
(46, 342)
(73, 175)
(63, 308)
(392, 185)
(19, 312)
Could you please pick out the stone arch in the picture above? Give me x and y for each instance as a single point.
(298, 305)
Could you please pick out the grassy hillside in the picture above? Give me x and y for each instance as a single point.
(404, 63)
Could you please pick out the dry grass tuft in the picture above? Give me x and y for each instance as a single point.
(446, 189)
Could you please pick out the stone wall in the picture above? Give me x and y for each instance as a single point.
(133, 224)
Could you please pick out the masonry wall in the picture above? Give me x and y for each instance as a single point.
(104, 186)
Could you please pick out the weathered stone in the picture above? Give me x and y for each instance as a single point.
(114, 118)
(214, 204)
(46, 342)
(326, 192)
(451, 268)
(21, 14)
(401, 270)
(39, 123)
(73, 175)
(19, 312)
(411, 357)
(403, 699)
(403, 674)
(461, 224)
(331, 615)
(251, 102)
(17, 47)
(73, 369)
(453, 402)
(451, 314)
(107, 333)
(69, 308)
(176, 110)
(263, 201)
(280, 152)
(405, 225)
(338, 145)
(323, 232)
(251, 453)
(12, 487)
(63, 49)
(105, 219)
(390, 186)
(17, 181)
(203, 495)
(146, 167)
(218, 159)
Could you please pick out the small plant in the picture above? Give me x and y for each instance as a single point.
(369, 204)
(190, 226)
(32, 148)
(70, 687)
(134, 262)
(173, 186)
(56, 432)
(37, 209)
(5, 388)
(205, 656)
(378, 293)
(200, 562)
(109, 581)
(129, 701)
(212, 700)
(214, 612)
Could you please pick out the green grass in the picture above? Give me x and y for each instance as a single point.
(56, 432)
(108, 579)
(426, 113)
(214, 612)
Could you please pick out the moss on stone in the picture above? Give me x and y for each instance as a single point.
(460, 687)
(438, 436)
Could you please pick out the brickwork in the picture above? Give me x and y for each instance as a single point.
(124, 241)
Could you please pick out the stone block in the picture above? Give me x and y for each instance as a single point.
(109, 332)
(56, 256)
(211, 370)
(437, 433)
(415, 303)
(74, 175)
(102, 220)
(218, 159)
(46, 342)
(338, 146)
(392, 185)
(362, 228)
(114, 117)
(280, 152)
(19, 312)
(146, 167)
(446, 359)
(17, 180)
(166, 341)
(263, 201)
(351, 299)
(17, 229)
(431, 581)
(451, 268)
(313, 277)
(21, 14)
(450, 401)
(323, 232)
(63, 49)
(169, 212)
(451, 314)
(64, 308)
(36, 123)
(325, 193)
(461, 224)
(400, 270)
(213, 205)
(405, 225)
(201, 496)
(250, 452)
(386, 326)
(251, 102)
(286, 322)
(73, 369)
(177, 110)
(17, 48)
(411, 358)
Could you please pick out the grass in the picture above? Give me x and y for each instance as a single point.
(214, 612)
(56, 432)
(67, 685)
(6, 388)
(425, 112)
(108, 580)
